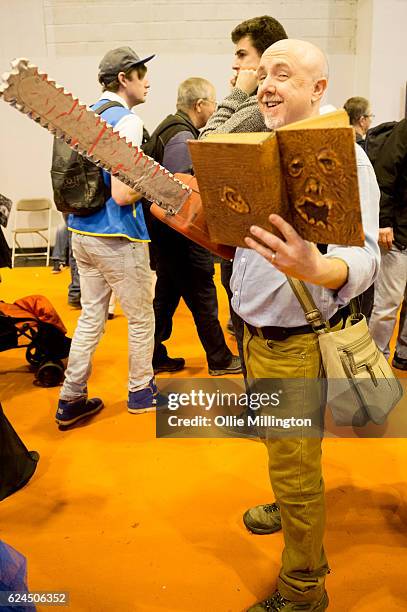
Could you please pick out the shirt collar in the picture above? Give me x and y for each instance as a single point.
(113, 97)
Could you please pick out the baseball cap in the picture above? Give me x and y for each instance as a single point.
(119, 60)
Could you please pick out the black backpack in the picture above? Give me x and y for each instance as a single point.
(376, 138)
(77, 182)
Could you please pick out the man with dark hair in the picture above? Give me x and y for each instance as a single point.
(111, 250)
(260, 30)
(239, 111)
(185, 269)
(360, 116)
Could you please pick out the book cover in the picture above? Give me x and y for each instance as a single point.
(305, 172)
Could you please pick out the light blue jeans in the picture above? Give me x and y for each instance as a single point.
(107, 264)
(389, 291)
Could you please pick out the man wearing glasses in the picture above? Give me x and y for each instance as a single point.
(360, 116)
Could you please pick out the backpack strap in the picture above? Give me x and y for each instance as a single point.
(106, 105)
(155, 146)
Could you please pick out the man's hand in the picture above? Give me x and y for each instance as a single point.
(247, 80)
(386, 237)
(297, 257)
(122, 193)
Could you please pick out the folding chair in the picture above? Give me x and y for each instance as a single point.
(37, 207)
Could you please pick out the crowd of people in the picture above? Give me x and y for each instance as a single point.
(276, 81)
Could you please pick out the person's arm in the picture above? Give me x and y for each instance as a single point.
(297, 257)
(239, 111)
(176, 153)
(131, 128)
(122, 194)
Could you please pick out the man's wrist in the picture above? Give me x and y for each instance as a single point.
(331, 273)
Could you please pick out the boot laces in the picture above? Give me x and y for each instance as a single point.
(275, 603)
(271, 507)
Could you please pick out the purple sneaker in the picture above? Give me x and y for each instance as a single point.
(143, 400)
(153, 386)
(69, 412)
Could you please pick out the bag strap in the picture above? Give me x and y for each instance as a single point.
(312, 313)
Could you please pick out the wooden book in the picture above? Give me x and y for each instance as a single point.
(305, 172)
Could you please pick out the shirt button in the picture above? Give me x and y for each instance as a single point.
(236, 293)
(243, 259)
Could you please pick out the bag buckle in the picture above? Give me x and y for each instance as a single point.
(314, 318)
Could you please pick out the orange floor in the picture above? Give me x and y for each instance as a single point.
(126, 522)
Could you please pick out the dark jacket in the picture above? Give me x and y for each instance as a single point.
(167, 129)
(161, 235)
(391, 174)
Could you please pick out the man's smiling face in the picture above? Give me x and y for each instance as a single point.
(290, 83)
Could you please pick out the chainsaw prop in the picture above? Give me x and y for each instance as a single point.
(176, 203)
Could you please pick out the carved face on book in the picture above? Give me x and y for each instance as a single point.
(292, 80)
(318, 178)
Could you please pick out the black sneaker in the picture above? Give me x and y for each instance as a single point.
(75, 304)
(399, 362)
(169, 364)
(277, 602)
(230, 328)
(234, 367)
(57, 266)
(263, 519)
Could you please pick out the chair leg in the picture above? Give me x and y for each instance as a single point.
(49, 236)
(13, 250)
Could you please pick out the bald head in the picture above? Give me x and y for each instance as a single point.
(293, 76)
(307, 54)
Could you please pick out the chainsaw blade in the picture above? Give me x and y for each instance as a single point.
(34, 94)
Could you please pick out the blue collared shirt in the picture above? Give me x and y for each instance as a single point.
(261, 293)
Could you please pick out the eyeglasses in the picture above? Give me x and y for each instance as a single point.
(214, 102)
(370, 116)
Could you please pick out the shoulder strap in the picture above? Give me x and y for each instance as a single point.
(103, 107)
(177, 120)
(311, 311)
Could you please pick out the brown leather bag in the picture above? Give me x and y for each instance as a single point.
(190, 220)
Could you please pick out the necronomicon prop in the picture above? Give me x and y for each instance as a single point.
(305, 172)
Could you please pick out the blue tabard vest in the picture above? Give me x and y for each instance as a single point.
(112, 220)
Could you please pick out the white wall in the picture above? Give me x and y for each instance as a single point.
(381, 52)
(388, 75)
(66, 39)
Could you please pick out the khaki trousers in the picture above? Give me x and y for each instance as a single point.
(295, 462)
(106, 265)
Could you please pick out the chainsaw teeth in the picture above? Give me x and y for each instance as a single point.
(47, 103)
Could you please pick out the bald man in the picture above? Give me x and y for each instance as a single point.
(278, 343)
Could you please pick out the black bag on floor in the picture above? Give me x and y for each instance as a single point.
(17, 464)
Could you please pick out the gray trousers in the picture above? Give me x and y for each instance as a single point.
(390, 288)
(106, 265)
